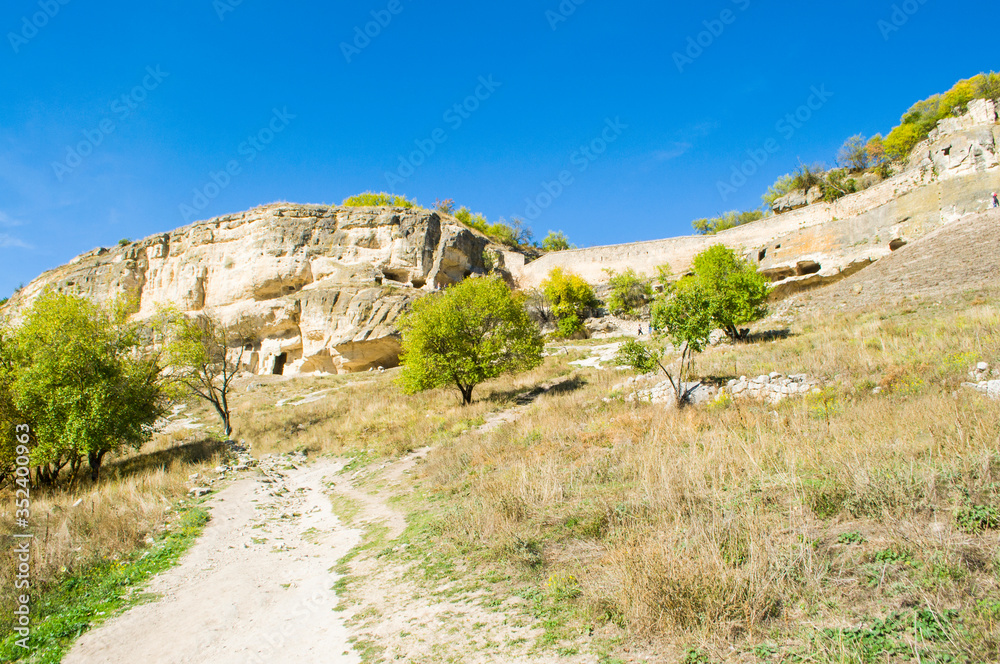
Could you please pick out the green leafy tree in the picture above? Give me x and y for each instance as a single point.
(629, 292)
(854, 154)
(736, 290)
(205, 357)
(901, 141)
(10, 417)
(685, 317)
(570, 298)
(467, 334)
(556, 241)
(77, 373)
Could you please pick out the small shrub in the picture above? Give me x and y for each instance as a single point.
(513, 234)
(563, 586)
(381, 199)
(695, 656)
(568, 326)
(556, 241)
(447, 206)
(571, 300)
(638, 356)
(975, 519)
(851, 538)
(892, 555)
(726, 221)
(628, 292)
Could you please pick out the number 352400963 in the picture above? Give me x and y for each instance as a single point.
(22, 470)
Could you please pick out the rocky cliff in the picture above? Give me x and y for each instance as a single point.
(811, 242)
(321, 286)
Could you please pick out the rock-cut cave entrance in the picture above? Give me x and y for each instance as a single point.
(279, 364)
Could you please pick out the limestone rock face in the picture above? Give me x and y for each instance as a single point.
(321, 286)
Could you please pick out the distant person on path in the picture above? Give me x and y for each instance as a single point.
(996, 201)
(640, 330)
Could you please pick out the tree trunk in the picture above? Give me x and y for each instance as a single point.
(466, 394)
(95, 459)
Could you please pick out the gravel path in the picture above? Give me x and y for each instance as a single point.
(256, 587)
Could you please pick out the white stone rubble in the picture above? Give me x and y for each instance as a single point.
(982, 383)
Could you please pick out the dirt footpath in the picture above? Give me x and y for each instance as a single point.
(255, 587)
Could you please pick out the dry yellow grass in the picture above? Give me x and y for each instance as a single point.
(725, 524)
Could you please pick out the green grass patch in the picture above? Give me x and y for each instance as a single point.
(76, 604)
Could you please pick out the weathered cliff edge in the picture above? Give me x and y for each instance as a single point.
(321, 286)
(948, 177)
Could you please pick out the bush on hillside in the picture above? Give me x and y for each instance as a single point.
(381, 199)
(556, 241)
(726, 221)
(917, 123)
(853, 154)
(571, 300)
(629, 292)
(836, 184)
(467, 334)
(737, 293)
(447, 206)
(514, 234)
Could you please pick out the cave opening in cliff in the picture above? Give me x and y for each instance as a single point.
(279, 364)
(802, 268)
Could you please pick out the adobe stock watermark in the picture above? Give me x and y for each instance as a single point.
(223, 7)
(580, 160)
(901, 15)
(276, 639)
(786, 127)
(372, 29)
(122, 107)
(249, 149)
(22, 549)
(697, 45)
(454, 117)
(562, 13)
(31, 25)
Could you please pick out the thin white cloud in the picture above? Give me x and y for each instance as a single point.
(7, 222)
(9, 241)
(673, 152)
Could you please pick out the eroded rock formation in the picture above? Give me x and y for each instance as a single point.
(321, 286)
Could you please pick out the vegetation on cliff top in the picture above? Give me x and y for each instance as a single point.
(860, 154)
(381, 199)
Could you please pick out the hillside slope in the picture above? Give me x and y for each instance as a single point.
(960, 256)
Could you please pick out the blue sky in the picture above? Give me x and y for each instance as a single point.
(124, 119)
